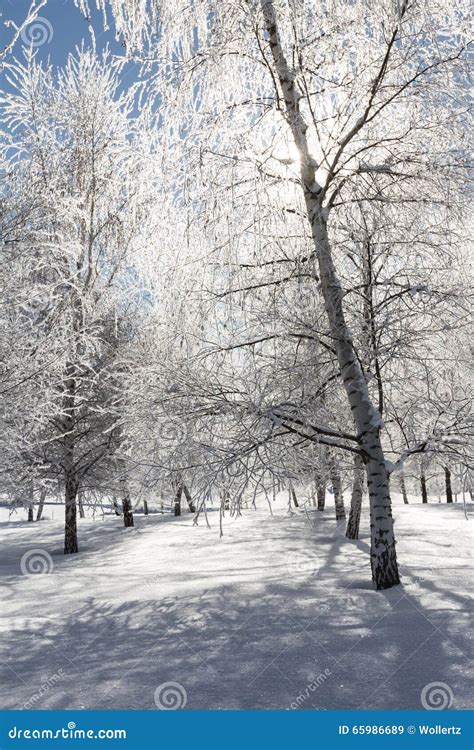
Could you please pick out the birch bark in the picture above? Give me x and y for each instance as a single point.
(367, 419)
(353, 524)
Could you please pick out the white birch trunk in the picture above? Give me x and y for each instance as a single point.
(366, 417)
(352, 531)
(337, 490)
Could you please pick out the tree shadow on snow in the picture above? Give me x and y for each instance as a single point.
(311, 637)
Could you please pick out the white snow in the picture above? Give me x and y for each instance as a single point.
(248, 621)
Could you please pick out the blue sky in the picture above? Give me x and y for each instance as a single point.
(63, 28)
(59, 29)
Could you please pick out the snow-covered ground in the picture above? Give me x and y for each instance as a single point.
(278, 613)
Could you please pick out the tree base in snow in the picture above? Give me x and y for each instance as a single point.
(385, 571)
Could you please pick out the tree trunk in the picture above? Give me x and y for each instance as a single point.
(424, 493)
(126, 505)
(449, 489)
(70, 479)
(145, 508)
(403, 488)
(70, 531)
(39, 514)
(367, 418)
(321, 494)
(226, 500)
(338, 496)
(127, 512)
(177, 500)
(31, 505)
(80, 505)
(352, 531)
(116, 508)
(189, 500)
(293, 496)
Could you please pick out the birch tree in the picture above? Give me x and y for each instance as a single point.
(352, 90)
(73, 138)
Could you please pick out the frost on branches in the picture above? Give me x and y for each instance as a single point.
(246, 272)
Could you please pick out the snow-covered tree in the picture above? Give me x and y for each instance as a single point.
(336, 94)
(76, 153)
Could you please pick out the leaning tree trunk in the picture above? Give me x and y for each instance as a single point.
(116, 508)
(177, 500)
(449, 489)
(293, 496)
(189, 500)
(352, 531)
(366, 416)
(424, 491)
(39, 513)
